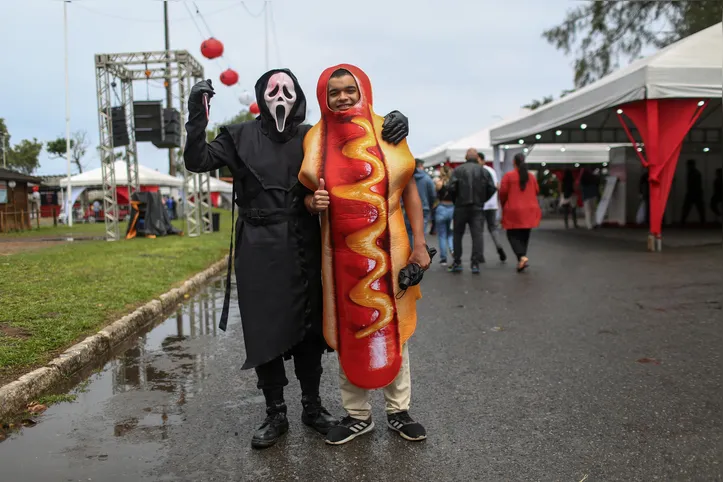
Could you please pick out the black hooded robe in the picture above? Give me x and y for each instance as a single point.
(278, 242)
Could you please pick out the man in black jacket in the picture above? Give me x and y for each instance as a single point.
(472, 187)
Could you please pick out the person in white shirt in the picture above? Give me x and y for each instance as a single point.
(490, 210)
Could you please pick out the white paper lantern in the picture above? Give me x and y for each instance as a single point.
(247, 98)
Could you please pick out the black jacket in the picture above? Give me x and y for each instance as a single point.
(471, 185)
(278, 243)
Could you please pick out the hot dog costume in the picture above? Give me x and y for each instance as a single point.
(278, 243)
(367, 319)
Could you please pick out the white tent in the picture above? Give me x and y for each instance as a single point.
(550, 153)
(146, 177)
(218, 185)
(689, 68)
(94, 178)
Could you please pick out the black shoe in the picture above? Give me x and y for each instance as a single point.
(275, 425)
(503, 255)
(455, 267)
(316, 416)
(475, 268)
(348, 429)
(404, 424)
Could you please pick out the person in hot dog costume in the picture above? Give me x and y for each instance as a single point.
(358, 179)
(278, 242)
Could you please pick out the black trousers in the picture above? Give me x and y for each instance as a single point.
(519, 239)
(568, 209)
(715, 203)
(474, 216)
(691, 201)
(307, 366)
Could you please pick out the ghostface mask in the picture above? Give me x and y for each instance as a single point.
(280, 97)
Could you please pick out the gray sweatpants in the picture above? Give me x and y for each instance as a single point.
(490, 217)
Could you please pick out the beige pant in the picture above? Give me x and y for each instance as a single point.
(397, 395)
(589, 207)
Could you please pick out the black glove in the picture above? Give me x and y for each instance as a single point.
(395, 128)
(197, 91)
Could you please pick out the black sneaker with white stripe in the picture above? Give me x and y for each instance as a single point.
(348, 429)
(406, 426)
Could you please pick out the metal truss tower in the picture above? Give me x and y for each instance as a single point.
(198, 199)
(138, 66)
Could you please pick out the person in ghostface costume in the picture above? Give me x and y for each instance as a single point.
(278, 241)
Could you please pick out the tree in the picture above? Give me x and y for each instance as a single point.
(78, 147)
(604, 33)
(538, 103)
(4, 140)
(23, 157)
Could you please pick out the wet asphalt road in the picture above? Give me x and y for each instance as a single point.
(602, 362)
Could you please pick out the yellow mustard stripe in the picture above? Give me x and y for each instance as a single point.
(364, 241)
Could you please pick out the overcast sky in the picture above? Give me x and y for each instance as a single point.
(453, 67)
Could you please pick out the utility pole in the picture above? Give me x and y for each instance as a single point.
(69, 206)
(169, 88)
(266, 32)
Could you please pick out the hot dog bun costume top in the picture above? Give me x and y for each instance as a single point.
(366, 316)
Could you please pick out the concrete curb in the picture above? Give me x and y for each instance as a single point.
(15, 396)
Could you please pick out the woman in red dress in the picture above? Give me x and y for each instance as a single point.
(520, 209)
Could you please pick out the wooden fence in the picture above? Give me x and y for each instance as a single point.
(19, 220)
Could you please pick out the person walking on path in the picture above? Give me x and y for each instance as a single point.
(693, 193)
(520, 210)
(471, 187)
(568, 198)
(443, 218)
(427, 193)
(590, 191)
(490, 211)
(717, 199)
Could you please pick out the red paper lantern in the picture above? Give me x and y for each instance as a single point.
(229, 77)
(211, 48)
(254, 109)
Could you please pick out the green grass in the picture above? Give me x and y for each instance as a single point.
(62, 293)
(61, 230)
(47, 230)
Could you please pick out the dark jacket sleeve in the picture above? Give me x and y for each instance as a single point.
(431, 192)
(453, 184)
(301, 189)
(200, 156)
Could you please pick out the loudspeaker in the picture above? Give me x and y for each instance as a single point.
(171, 129)
(148, 120)
(119, 126)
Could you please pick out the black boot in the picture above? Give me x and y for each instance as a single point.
(503, 255)
(275, 425)
(316, 416)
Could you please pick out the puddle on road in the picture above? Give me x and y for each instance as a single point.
(123, 411)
